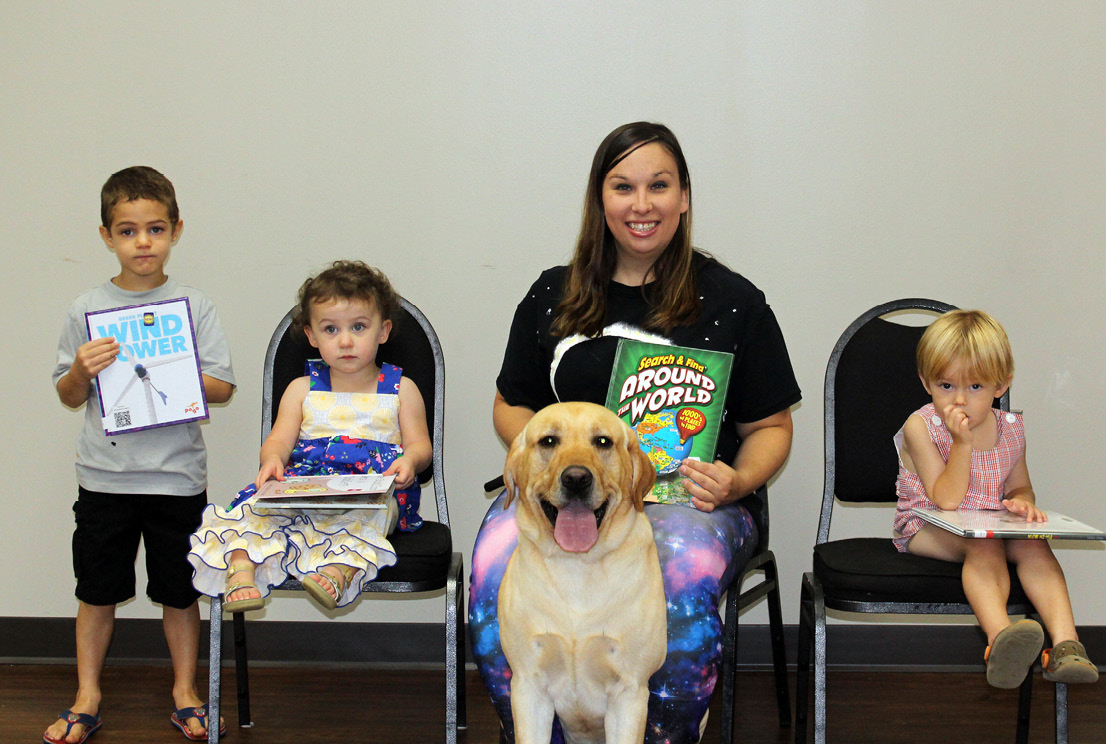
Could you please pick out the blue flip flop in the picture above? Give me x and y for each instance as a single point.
(91, 723)
(181, 716)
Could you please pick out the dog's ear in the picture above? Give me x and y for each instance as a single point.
(643, 472)
(514, 470)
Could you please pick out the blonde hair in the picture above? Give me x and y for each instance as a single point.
(971, 337)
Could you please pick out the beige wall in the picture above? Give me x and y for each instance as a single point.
(843, 154)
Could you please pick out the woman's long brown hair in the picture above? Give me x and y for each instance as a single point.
(672, 294)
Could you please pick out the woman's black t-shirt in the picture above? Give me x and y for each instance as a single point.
(540, 369)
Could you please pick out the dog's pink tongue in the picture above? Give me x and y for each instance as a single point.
(576, 531)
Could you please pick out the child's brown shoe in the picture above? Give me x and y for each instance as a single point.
(1068, 662)
(1013, 653)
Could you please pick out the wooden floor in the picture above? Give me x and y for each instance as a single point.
(396, 707)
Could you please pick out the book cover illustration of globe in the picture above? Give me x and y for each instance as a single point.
(672, 397)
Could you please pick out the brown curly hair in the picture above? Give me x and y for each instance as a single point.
(347, 280)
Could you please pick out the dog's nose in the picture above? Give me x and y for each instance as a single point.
(576, 480)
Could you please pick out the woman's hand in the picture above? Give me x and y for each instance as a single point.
(712, 484)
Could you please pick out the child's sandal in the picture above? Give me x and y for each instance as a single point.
(248, 603)
(1067, 662)
(1013, 653)
(320, 594)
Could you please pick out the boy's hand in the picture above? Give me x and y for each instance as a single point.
(270, 469)
(956, 421)
(93, 358)
(403, 471)
(1026, 509)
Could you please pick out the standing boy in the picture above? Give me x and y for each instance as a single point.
(149, 484)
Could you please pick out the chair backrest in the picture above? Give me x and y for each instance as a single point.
(872, 386)
(412, 345)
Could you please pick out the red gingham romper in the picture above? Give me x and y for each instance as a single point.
(990, 469)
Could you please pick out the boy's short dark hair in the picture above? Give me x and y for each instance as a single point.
(137, 182)
(348, 280)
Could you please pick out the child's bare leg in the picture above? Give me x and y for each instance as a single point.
(986, 580)
(1044, 584)
(985, 576)
(94, 627)
(182, 632)
(239, 558)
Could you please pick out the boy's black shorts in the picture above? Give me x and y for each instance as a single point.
(105, 546)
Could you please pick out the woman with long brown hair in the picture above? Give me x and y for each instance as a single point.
(635, 274)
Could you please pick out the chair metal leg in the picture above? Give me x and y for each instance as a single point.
(454, 691)
(729, 661)
(241, 670)
(812, 627)
(819, 669)
(779, 650)
(1061, 713)
(1025, 703)
(214, 666)
(802, 664)
(462, 697)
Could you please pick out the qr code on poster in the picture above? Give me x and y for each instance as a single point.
(122, 418)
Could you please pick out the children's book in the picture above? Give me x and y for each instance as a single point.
(1001, 523)
(672, 397)
(368, 491)
(155, 380)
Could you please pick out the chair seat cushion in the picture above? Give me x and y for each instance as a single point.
(871, 569)
(422, 555)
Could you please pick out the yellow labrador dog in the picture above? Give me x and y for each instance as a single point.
(581, 608)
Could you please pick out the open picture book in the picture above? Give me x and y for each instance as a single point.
(1001, 523)
(369, 491)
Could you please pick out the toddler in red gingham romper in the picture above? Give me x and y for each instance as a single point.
(990, 469)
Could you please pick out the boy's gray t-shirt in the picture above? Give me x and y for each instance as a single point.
(167, 460)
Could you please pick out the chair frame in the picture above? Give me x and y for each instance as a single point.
(814, 601)
(736, 601)
(453, 582)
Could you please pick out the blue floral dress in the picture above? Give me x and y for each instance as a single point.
(341, 434)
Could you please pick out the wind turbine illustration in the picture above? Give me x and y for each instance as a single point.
(142, 372)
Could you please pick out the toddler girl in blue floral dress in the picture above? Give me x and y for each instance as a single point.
(348, 415)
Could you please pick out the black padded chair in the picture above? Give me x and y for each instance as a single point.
(425, 558)
(872, 386)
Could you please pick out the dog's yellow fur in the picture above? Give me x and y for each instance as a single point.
(582, 631)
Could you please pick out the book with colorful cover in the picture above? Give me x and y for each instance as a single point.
(155, 380)
(355, 491)
(673, 398)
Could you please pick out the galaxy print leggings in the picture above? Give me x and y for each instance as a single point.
(699, 554)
